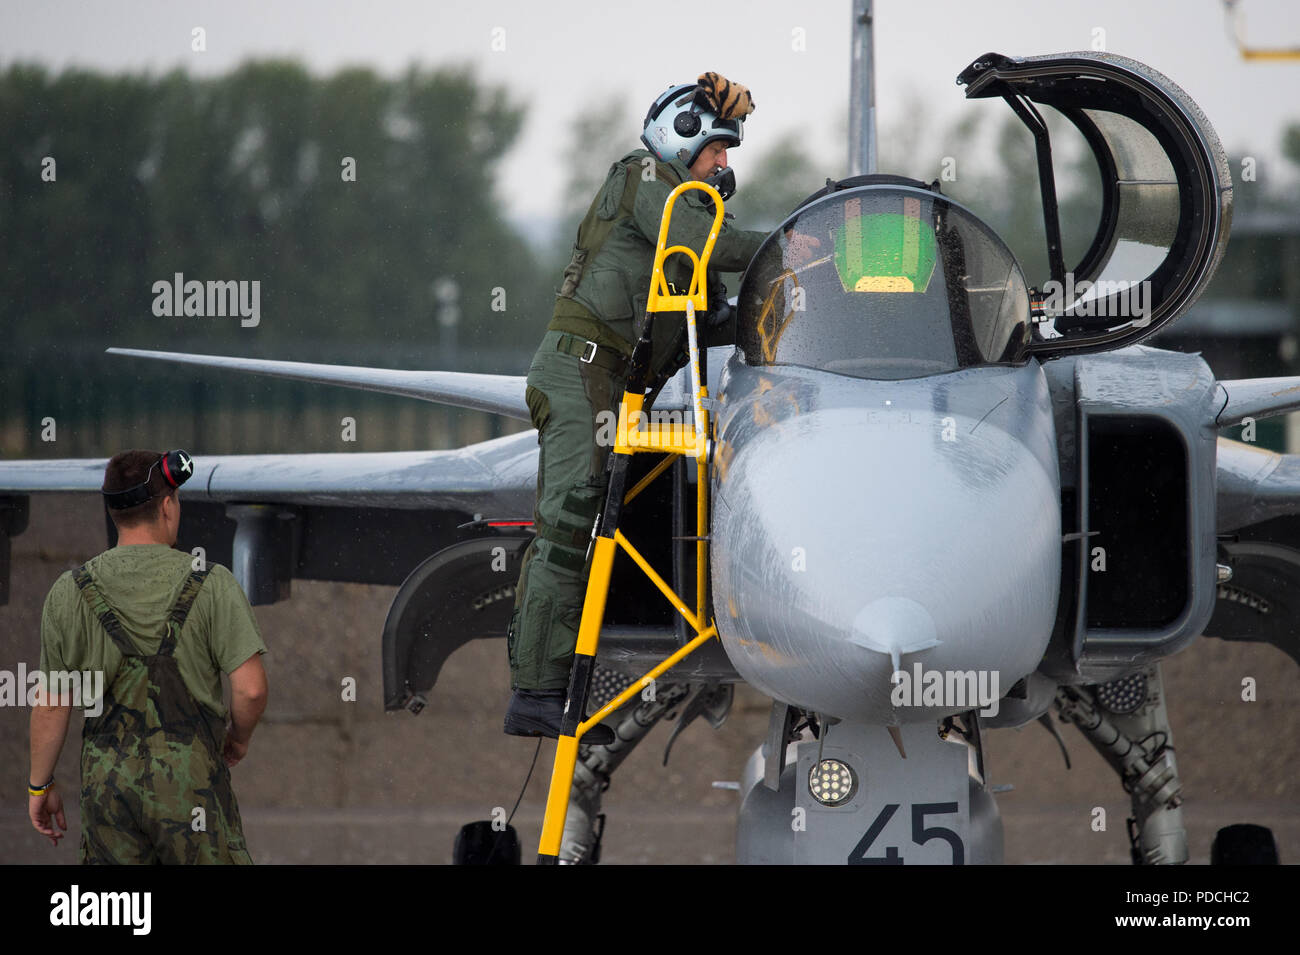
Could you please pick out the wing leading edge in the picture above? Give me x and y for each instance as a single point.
(489, 476)
(497, 394)
(366, 518)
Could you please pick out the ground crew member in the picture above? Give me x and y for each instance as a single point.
(155, 762)
(580, 368)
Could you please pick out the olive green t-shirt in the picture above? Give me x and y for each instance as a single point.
(141, 583)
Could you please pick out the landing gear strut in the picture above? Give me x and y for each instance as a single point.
(1127, 723)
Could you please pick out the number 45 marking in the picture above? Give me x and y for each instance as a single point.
(920, 834)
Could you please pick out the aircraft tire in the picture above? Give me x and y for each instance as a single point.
(1244, 844)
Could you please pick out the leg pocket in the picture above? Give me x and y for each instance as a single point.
(577, 515)
(563, 641)
(532, 631)
(603, 393)
(510, 639)
(539, 407)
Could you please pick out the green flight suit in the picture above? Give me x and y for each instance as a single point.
(579, 371)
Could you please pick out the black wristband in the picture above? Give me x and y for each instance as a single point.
(46, 786)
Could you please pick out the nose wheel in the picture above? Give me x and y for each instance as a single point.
(1244, 844)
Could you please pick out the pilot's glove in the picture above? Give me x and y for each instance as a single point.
(720, 310)
(720, 327)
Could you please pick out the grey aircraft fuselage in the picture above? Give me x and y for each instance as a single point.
(861, 527)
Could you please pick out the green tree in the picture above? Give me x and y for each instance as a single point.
(769, 186)
(241, 177)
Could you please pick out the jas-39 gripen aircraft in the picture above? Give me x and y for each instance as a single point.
(945, 497)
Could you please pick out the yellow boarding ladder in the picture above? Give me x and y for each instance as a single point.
(635, 436)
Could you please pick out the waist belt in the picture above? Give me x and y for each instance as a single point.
(587, 351)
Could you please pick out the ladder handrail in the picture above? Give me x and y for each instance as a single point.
(662, 301)
(607, 538)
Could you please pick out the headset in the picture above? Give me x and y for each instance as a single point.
(177, 468)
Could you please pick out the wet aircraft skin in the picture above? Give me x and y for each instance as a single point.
(866, 525)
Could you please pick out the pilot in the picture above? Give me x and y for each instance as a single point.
(155, 760)
(581, 366)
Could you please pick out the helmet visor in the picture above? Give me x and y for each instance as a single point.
(735, 128)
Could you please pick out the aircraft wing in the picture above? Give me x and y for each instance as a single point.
(495, 476)
(1258, 500)
(1255, 485)
(368, 517)
(499, 394)
(272, 517)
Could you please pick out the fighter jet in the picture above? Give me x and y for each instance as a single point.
(946, 497)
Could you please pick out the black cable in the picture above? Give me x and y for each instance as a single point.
(1160, 747)
(1226, 398)
(527, 779)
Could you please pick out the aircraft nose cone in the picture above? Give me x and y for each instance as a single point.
(850, 545)
(894, 626)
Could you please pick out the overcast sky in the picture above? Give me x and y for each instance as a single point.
(562, 55)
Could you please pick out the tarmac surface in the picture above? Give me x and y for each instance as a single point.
(331, 781)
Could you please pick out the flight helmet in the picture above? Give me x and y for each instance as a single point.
(681, 122)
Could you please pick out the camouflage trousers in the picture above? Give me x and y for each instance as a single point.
(154, 786)
(565, 398)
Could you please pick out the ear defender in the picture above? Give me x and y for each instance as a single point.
(177, 468)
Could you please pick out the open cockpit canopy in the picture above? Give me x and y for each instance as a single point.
(1166, 202)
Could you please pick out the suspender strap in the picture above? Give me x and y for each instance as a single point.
(100, 608)
(113, 627)
(180, 610)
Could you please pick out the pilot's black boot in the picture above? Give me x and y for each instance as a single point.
(539, 713)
